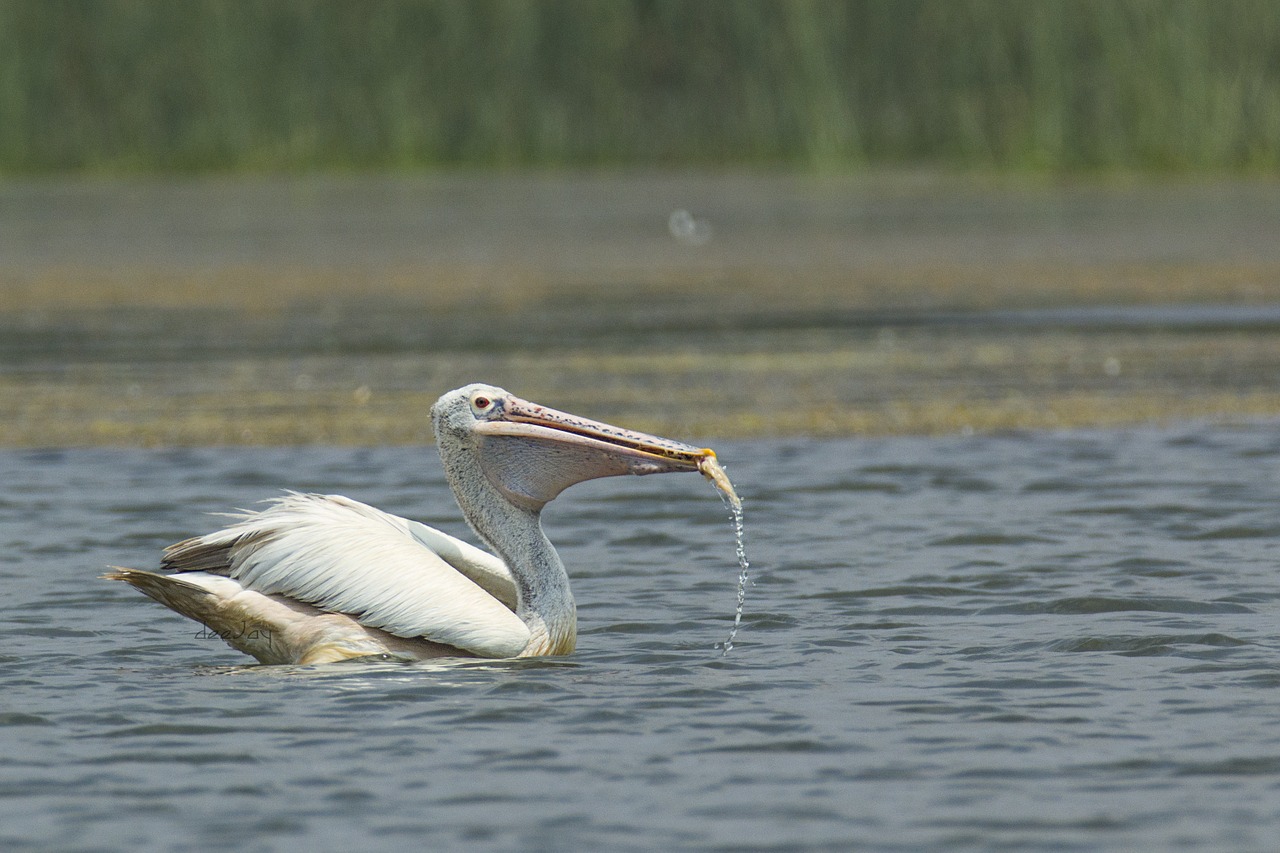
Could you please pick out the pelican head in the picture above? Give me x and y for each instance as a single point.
(505, 458)
(530, 453)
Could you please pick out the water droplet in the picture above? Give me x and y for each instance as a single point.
(688, 230)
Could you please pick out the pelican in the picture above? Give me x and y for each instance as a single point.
(323, 578)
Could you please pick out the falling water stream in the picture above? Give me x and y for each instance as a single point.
(711, 469)
(743, 566)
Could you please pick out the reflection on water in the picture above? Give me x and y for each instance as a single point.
(1034, 640)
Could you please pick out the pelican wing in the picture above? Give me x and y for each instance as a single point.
(382, 570)
(488, 571)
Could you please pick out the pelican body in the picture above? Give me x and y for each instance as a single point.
(323, 578)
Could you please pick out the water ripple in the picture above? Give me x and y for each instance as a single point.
(1032, 641)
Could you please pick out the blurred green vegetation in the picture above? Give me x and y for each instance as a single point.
(124, 85)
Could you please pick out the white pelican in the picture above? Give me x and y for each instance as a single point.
(322, 578)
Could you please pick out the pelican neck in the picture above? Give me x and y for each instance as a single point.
(544, 601)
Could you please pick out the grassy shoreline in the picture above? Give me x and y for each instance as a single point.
(124, 87)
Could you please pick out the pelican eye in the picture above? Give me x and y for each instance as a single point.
(481, 403)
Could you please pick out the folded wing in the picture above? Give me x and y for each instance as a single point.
(384, 571)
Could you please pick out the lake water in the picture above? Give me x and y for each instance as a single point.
(333, 309)
(1040, 640)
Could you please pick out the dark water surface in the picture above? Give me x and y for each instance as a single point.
(1053, 641)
